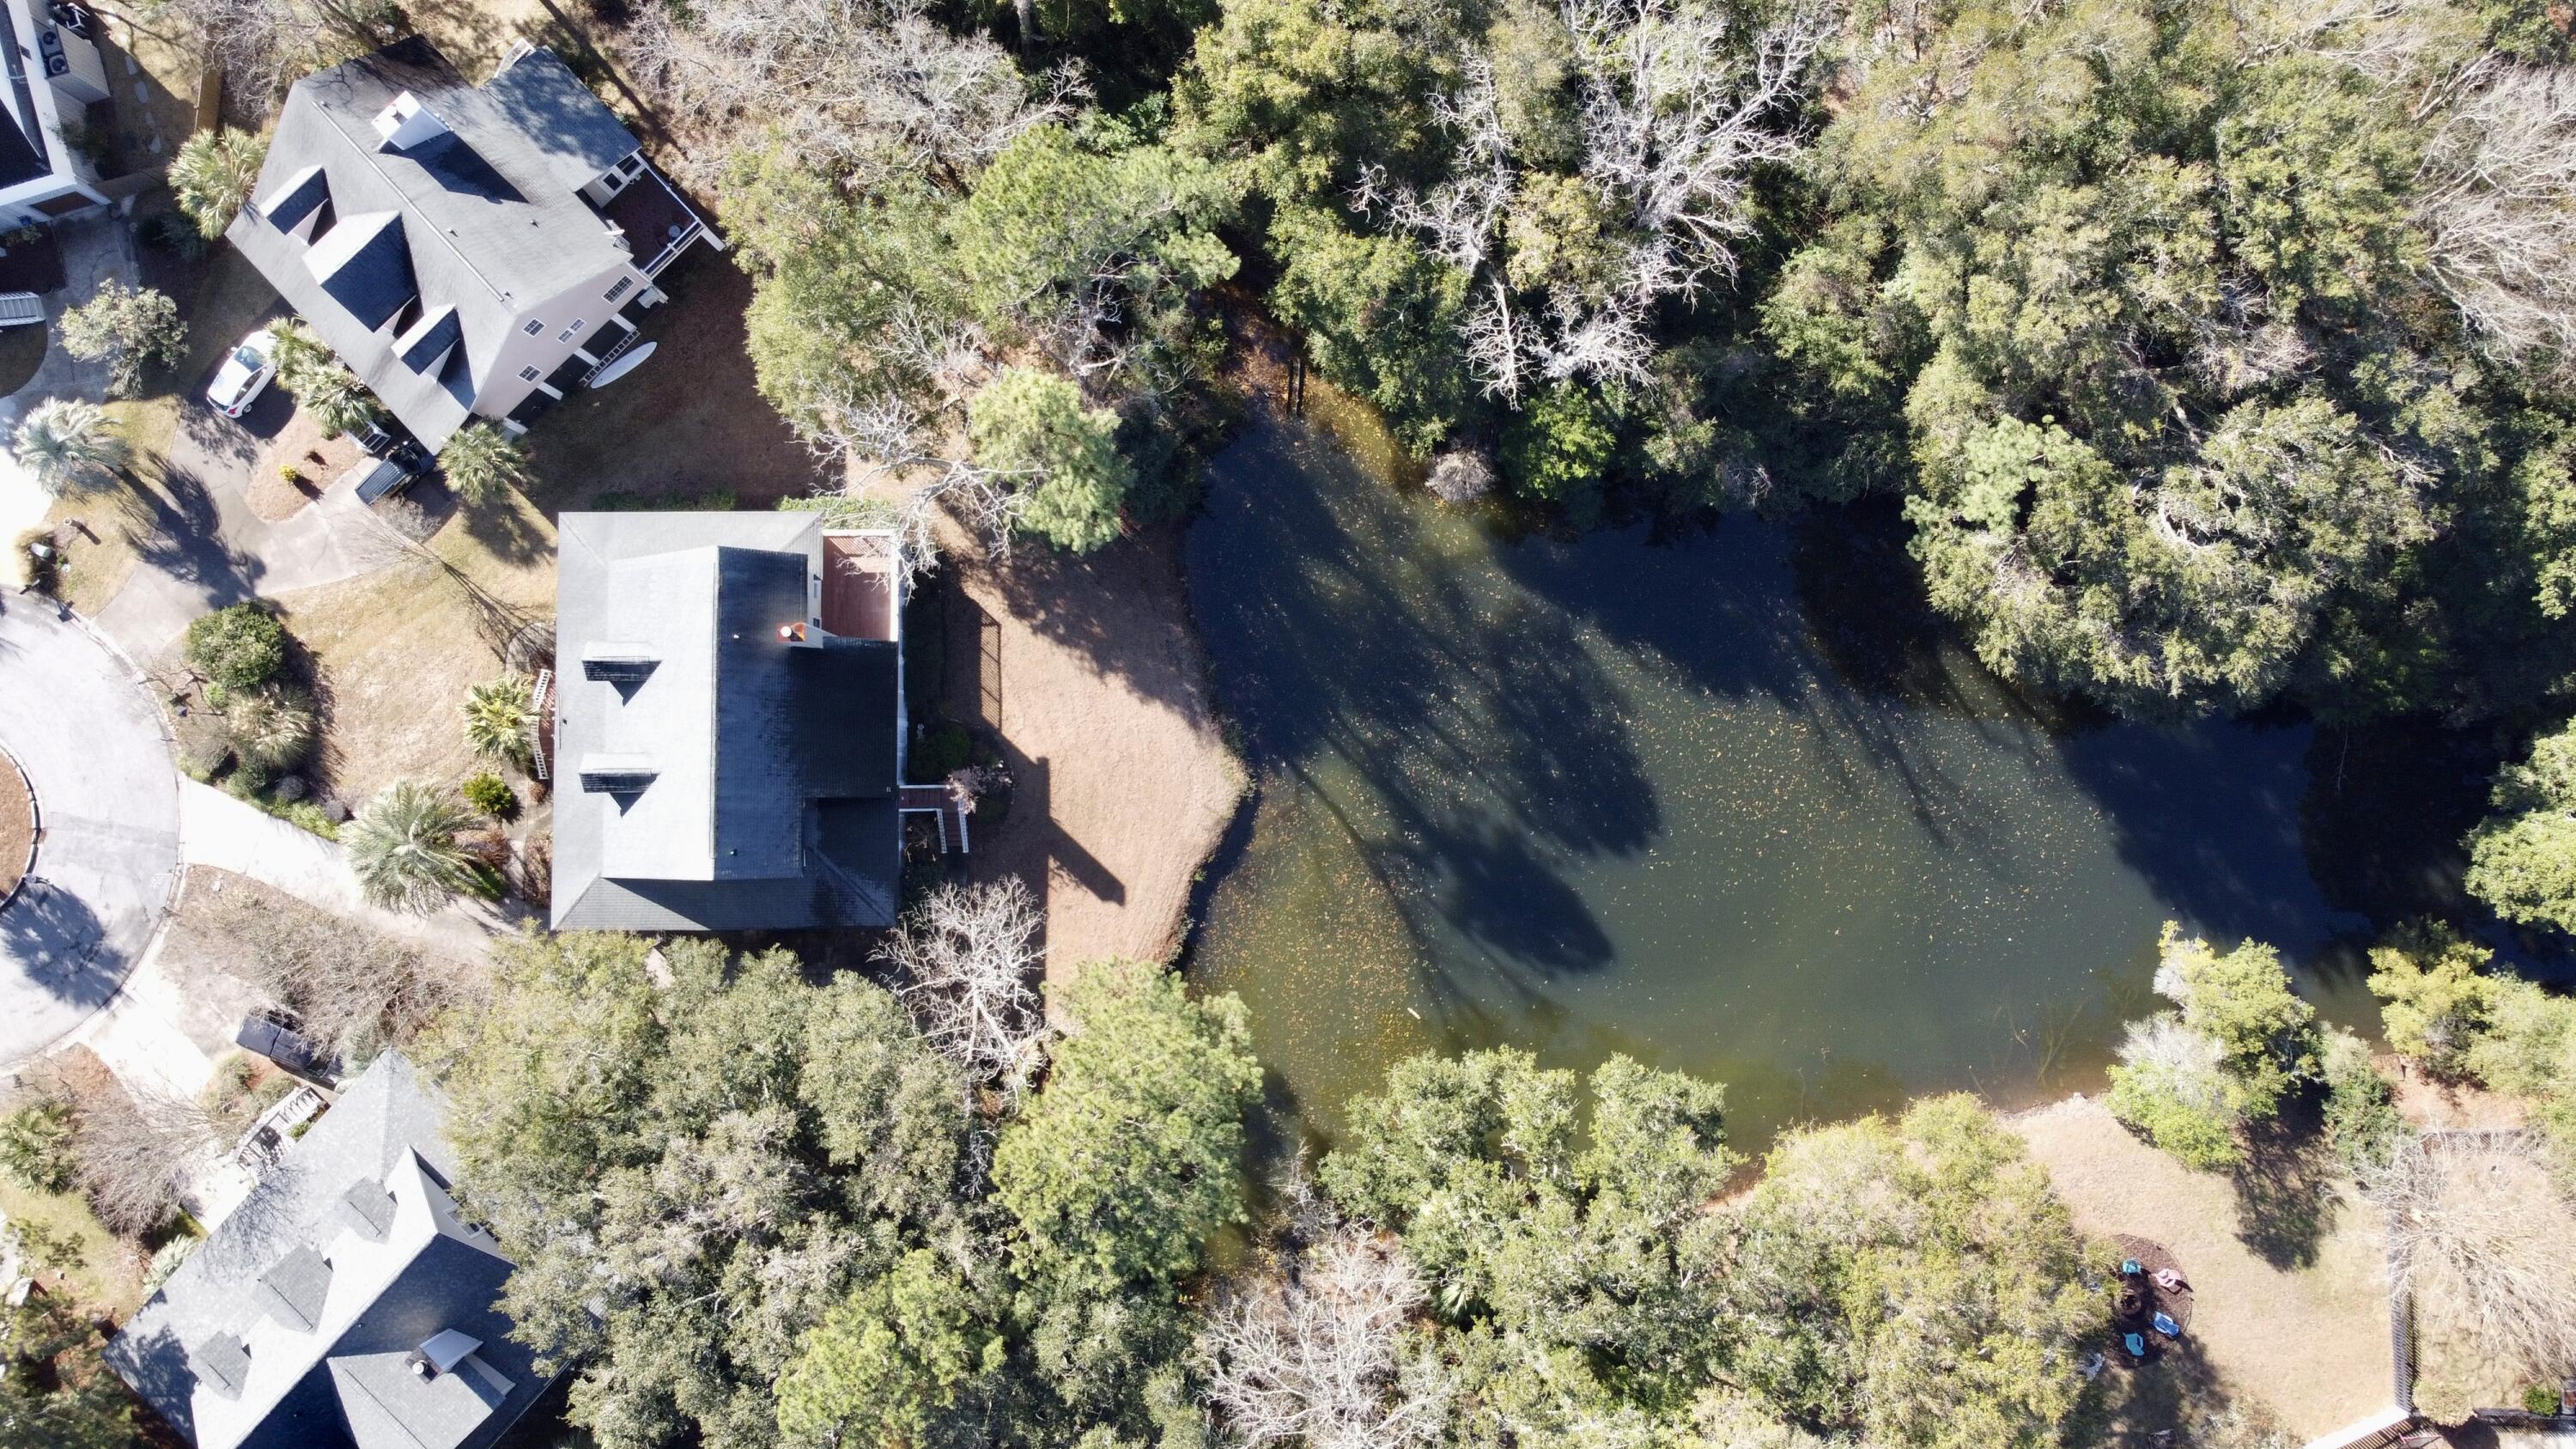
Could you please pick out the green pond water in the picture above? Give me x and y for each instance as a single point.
(1728, 802)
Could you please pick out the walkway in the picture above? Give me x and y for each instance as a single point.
(220, 831)
(91, 743)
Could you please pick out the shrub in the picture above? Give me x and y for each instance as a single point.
(2361, 1118)
(1556, 449)
(1461, 477)
(167, 1258)
(492, 795)
(944, 749)
(238, 647)
(36, 1146)
(2540, 1399)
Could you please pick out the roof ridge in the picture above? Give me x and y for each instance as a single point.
(367, 155)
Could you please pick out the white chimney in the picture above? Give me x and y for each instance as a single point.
(406, 123)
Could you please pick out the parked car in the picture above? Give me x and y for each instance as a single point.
(245, 374)
(400, 462)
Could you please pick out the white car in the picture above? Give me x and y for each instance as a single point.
(245, 374)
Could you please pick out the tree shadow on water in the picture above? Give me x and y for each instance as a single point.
(1469, 746)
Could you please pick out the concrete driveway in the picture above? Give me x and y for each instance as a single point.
(107, 798)
(211, 549)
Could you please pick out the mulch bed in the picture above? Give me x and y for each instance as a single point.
(2138, 1299)
(17, 825)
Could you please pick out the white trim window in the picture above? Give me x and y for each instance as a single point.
(529, 374)
(535, 325)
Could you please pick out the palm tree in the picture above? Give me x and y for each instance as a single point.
(402, 844)
(213, 176)
(481, 461)
(271, 728)
(67, 446)
(501, 719)
(338, 402)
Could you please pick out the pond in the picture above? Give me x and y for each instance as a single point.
(1730, 802)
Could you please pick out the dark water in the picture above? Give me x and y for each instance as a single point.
(1729, 803)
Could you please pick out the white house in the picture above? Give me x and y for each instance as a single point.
(54, 76)
(469, 251)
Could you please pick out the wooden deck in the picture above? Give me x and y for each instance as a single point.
(858, 587)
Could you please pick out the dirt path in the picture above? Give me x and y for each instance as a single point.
(1090, 673)
(2304, 1330)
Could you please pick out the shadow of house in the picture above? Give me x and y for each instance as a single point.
(346, 1304)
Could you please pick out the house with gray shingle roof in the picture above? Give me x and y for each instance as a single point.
(467, 250)
(728, 723)
(345, 1304)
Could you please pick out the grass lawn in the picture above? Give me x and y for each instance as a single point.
(395, 650)
(110, 1278)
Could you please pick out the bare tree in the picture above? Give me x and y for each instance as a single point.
(347, 985)
(1315, 1354)
(135, 1151)
(968, 956)
(1677, 112)
(2483, 1238)
(262, 45)
(878, 87)
(2496, 199)
(883, 436)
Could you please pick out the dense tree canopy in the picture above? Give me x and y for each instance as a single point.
(748, 1206)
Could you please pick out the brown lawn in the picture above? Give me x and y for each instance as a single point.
(2298, 1327)
(395, 650)
(1089, 672)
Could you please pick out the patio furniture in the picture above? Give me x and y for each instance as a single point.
(2166, 1326)
(2135, 1343)
(2129, 1268)
(2169, 1280)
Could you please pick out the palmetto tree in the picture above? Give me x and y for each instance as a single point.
(328, 390)
(501, 719)
(67, 445)
(213, 176)
(482, 462)
(402, 844)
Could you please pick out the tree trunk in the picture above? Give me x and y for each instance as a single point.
(1030, 36)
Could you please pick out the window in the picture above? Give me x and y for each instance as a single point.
(528, 374)
(567, 334)
(633, 165)
(535, 326)
(624, 285)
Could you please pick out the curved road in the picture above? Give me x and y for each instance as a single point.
(107, 796)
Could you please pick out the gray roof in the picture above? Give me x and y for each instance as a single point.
(294, 1323)
(718, 777)
(476, 224)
